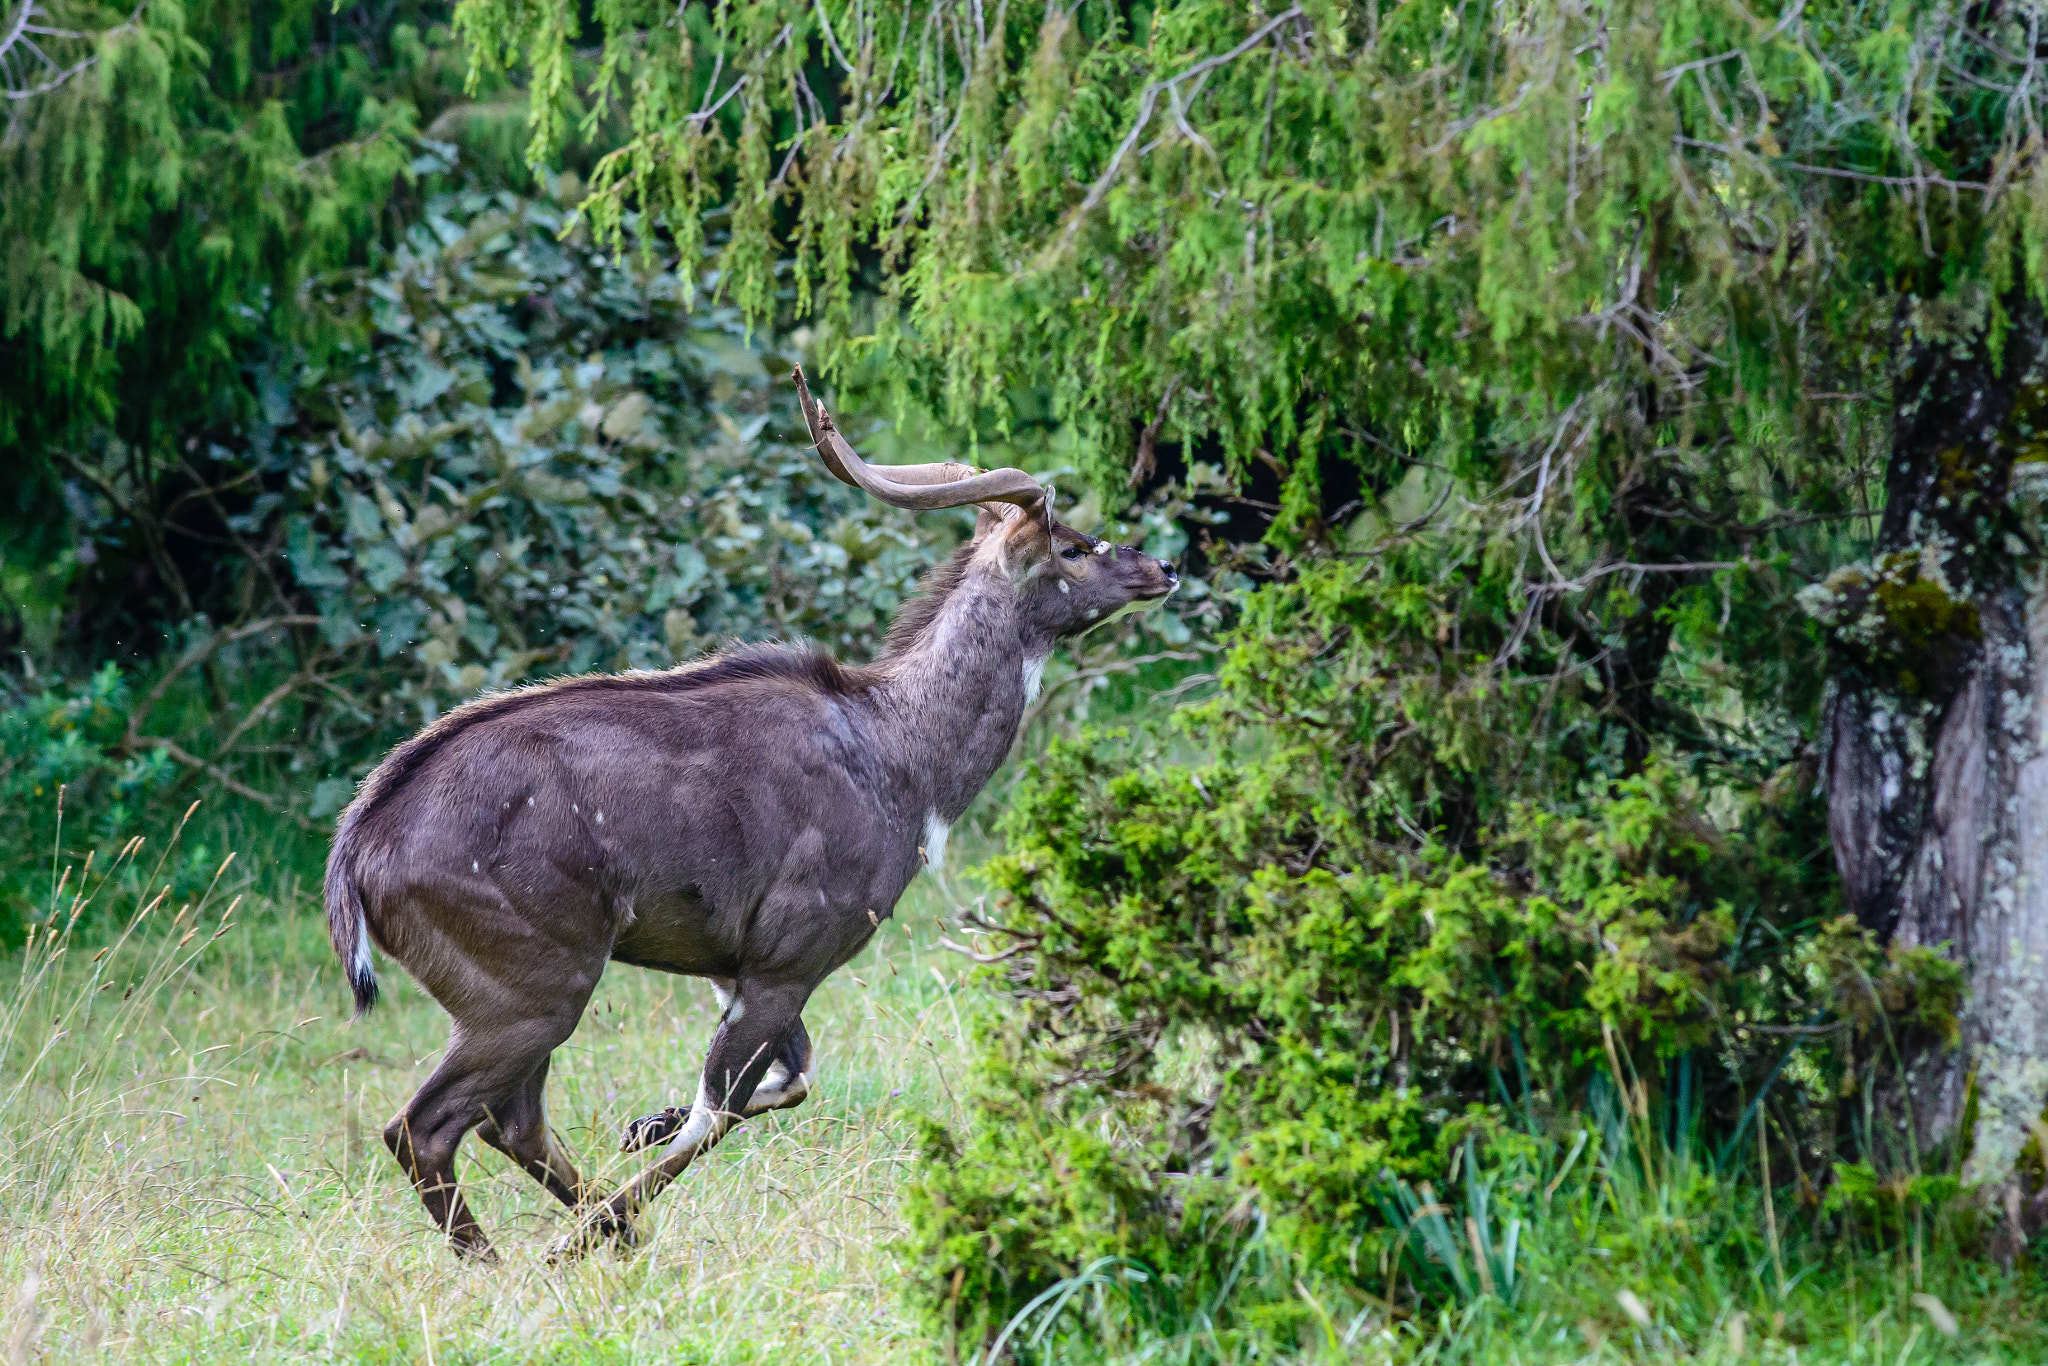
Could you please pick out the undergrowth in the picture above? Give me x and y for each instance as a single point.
(190, 1171)
(1624, 1241)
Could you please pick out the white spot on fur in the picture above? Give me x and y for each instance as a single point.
(724, 997)
(1102, 547)
(362, 968)
(474, 867)
(600, 818)
(935, 832)
(1034, 674)
(529, 801)
(1066, 587)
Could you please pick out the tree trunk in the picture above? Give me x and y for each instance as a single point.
(1937, 770)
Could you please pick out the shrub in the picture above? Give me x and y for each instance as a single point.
(1372, 936)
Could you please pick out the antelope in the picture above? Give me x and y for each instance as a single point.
(749, 819)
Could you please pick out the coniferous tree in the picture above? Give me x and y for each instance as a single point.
(170, 179)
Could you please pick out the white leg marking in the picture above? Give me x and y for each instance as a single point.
(778, 1089)
(703, 1128)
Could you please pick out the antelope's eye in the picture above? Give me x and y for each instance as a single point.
(1072, 552)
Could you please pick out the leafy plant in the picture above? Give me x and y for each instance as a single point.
(1254, 980)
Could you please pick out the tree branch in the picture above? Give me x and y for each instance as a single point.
(1149, 101)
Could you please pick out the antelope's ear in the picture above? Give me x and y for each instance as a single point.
(1017, 541)
(988, 517)
(1010, 523)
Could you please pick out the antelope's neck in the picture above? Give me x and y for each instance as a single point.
(953, 699)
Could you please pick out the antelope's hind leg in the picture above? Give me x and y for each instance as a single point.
(519, 1129)
(483, 1073)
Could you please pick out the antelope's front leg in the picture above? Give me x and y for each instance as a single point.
(762, 1015)
(787, 1083)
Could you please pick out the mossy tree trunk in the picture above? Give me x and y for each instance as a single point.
(1937, 770)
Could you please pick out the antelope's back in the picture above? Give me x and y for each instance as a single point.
(584, 807)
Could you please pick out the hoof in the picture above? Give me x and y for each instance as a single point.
(590, 1236)
(478, 1253)
(650, 1131)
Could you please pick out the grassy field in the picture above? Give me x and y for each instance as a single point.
(191, 1169)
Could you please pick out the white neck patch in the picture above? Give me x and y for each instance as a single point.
(1034, 675)
(935, 832)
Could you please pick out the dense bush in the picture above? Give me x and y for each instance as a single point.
(1402, 912)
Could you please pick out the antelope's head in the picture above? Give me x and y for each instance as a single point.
(1067, 582)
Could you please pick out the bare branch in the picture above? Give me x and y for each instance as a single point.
(48, 72)
(199, 651)
(1839, 173)
(832, 39)
(1002, 956)
(213, 771)
(1671, 75)
(1586, 579)
(1149, 100)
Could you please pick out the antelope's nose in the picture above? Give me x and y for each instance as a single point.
(1166, 568)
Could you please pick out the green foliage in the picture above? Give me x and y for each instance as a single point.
(521, 456)
(69, 782)
(167, 208)
(1237, 984)
(1618, 1242)
(1378, 234)
(163, 207)
(543, 458)
(66, 740)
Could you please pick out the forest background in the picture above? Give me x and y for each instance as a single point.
(1570, 877)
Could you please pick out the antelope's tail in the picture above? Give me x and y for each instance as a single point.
(347, 928)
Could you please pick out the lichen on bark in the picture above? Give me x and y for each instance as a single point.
(1936, 770)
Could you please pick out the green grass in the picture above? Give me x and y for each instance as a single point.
(190, 1171)
(195, 1173)
(1630, 1262)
